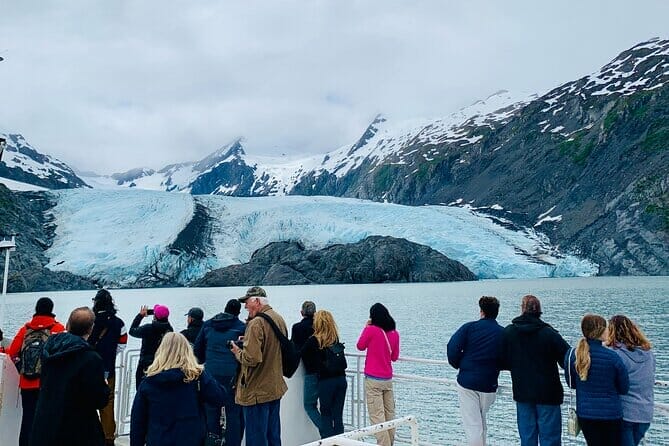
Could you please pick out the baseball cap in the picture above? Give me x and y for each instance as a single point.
(195, 313)
(254, 291)
(161, 311)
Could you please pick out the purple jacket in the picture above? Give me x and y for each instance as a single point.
(638, 403)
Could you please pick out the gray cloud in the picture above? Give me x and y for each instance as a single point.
(114, 85)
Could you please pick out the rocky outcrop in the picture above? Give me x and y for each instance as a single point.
(372, 260)
(24, 214)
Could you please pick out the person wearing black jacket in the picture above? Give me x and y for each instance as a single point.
(331, 384)
(211, 349)
(532, 350)
(151, 335)
(195, 317)
(108, 338)
(299, 335)
(72, 389)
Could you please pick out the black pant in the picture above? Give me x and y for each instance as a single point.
(332, 395)
(602, 432)
(140, 374)
(29, 403)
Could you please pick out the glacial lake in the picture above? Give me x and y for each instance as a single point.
(427, 314)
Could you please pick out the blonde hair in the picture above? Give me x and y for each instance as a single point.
(592, 327)
(325, 329)
(622, 330)
(175, 352)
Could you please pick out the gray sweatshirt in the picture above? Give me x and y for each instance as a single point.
(638, 403)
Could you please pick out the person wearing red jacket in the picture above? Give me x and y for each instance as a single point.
(44, 319)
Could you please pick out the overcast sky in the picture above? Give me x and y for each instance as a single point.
(112, 85)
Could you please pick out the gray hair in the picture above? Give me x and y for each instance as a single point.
(308, 308)
(262, 300)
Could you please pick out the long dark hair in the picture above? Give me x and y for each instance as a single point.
(380, 316)
(103, 301)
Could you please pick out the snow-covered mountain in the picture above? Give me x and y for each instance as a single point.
(231, 171)
(135, 238)
(22, 163)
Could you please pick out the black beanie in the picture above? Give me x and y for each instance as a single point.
(233, 307)
(44, 307)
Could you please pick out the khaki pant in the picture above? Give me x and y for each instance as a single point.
(474, 408)
(107, 413)
(381, 407)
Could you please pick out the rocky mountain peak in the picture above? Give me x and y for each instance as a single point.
(232, 152)
(22, 162)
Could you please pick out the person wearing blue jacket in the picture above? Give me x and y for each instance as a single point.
(168, 409)
(600, 378)
(211, 349)
(632, 346)
(474, 351)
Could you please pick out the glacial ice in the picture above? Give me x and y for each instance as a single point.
(114, 235)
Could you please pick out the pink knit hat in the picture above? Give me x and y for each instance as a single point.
(161, 311)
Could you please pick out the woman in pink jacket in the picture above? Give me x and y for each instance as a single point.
(382, 343)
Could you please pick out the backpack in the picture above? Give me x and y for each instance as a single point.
(290, 355)
(334, 363)
(30, 358)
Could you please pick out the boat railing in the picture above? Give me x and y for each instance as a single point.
(425, 388)
(350, 438)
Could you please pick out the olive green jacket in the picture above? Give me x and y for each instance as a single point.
(261, 376)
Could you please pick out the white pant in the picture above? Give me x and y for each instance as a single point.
(473, 409)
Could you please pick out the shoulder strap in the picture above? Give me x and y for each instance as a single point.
(272, 324)
(387, 341)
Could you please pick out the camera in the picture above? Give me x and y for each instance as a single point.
(239, 344)
(149, 311)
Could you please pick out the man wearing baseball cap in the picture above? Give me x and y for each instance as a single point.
(150, 334)
(260, 383)
(195, 317)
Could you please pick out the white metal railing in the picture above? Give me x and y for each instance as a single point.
(421, 389)
(350, 438)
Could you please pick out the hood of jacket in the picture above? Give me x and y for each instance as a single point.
(39, 322)
(168, 378)
(528, 324)
(63, 344)
(637, 355)
(224, 321)
(164, 325)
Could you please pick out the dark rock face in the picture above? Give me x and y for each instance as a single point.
(372, 260)
(24, 213)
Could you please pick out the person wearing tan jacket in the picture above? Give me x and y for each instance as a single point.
(260, 383)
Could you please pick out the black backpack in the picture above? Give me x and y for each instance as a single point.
(334, 363)
(290, 355)
(30, 358)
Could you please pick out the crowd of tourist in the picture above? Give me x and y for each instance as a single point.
(221, 380)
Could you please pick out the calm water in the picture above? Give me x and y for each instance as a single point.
(426, 315)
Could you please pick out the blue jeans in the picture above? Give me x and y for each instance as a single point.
(234, 417)
(539, 424)
(311, 398)
(633, 432)
(332, 394)
(263, 424)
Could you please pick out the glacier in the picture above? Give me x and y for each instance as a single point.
(115, 236)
